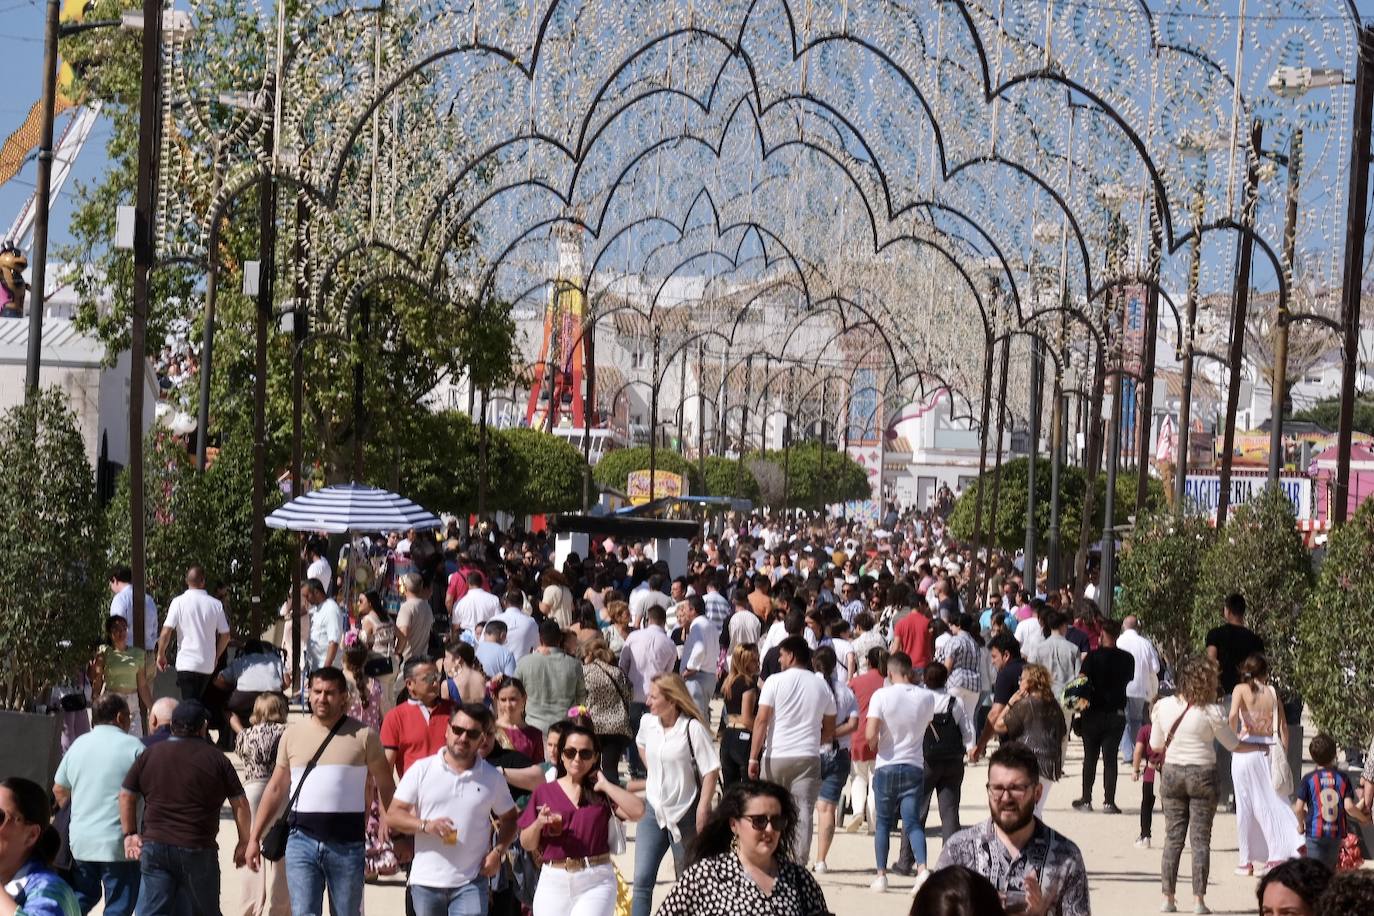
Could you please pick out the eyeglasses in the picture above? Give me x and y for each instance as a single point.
(473, 734)
(762, 822)
(572, 753)
(1018, 790)
(426, 678)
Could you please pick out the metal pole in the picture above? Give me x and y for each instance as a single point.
(1185, 401)
(1278, 388)
(42, 195)
(482, 458)
(267, 243)
(1238, 314)
(300, 330)
(588, 409)
(1001, 428)
(653, 423)
(974, 600)
(1108, 568)
(744, 414)
(1146, 386)
(360, 387)
(1058, 430)
(1354, 271)
(143, 264)
(1037, 380)
(1091, 456)
(701, 413)
(207, 345)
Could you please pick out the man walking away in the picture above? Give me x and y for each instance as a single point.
(648, 652)
(89, 779)
(553, 680)
(898, 716)
(183, 781)
(324, 850)
(202, 634)
(795, 719)
(1109, 670)
(496, 659)
(1144, 683)
(448, 800)
(1229, 645)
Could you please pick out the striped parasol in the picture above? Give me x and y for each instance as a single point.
(351, 507)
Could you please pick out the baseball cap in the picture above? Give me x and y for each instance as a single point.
(190, 715)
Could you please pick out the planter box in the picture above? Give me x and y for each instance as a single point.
(32, 745)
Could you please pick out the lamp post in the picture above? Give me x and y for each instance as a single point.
(1279, 386)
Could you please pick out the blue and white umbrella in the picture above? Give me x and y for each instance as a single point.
(351, 507)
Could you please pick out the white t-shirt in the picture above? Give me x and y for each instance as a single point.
(475, 608)
(197, 619)
(846, 708)
(469, 799)
(319, 569)
(643, 599)
(701, 647)
(671, 790)
(522, 635)
(843, 649)
(1029, 633)
(799, 700)
(905, 711)
(328, 624)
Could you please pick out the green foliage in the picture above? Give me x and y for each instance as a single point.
(1336, 635)
(544, 473)
(814, 477)
(1009, 528)
(1327, 414)
(1260, 556)
(207, 519)
(54, 571)
(726, 477)
(1160, 566)
(614, 468)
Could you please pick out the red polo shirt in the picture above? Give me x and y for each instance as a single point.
(913, 632)
(406, 731)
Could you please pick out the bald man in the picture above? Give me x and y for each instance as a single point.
(1144, 684)
(160, 720)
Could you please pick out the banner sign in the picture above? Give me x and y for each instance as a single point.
(1204, 490)
(666, 485)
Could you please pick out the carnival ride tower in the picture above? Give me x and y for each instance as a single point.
(558, 374)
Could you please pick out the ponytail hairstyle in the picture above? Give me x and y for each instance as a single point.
(1254, 669)
(823, 662)
(355, 663)
(31, 801)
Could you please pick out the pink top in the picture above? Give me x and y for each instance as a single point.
(584, 828)
(528, 740)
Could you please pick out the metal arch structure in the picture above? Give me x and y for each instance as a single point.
(862, 164)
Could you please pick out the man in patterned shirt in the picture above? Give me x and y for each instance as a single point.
(1037, 870)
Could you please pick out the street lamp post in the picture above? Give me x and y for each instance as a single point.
(1279, 387)
(1037, 382)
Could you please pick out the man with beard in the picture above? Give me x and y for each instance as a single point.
(1036, 870)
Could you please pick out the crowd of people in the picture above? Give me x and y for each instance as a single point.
(490, 723)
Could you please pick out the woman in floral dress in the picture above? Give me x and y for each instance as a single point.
(365, 705)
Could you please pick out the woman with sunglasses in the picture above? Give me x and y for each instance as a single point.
(568, 821)
(743, 860)
(683, 769)
(28, 844)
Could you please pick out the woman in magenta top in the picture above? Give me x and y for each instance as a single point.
(567, 822)
(510, 720)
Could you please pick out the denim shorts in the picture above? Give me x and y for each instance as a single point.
(834, 775)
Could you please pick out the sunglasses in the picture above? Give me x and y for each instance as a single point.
(572, 753)
(473, 734)
(762, 822)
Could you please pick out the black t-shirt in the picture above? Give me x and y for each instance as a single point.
(506, 759)
(184, 783)
(1234, 645)
(772, 663)
(734, 695)
(1079, 639)
(1008, 681)
(1109, 671)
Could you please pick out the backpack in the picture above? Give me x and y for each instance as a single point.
(944, 742)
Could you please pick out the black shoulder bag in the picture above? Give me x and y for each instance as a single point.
(273, 843)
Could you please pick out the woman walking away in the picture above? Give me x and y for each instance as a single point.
(683, 769)
(568, 822)
(263, 891)
(608, 703)
(741, 695)
(1263, 818)
(835, 763)
(1034, 718)
(742, 861)
(1183, 729)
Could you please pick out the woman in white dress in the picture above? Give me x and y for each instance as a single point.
(1264, 821)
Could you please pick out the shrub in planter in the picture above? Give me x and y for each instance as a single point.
(1160, 567)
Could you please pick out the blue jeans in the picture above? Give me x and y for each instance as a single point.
(312, 866)
(652, 842)
(119, 880)
(897, 790)
(464, 900)
(1137, 714)
(178, 881)
(1326, 850)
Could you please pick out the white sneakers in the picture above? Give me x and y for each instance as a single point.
(879, 884)
(921, 878)
(820, 868)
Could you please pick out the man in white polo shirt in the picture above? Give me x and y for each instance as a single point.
(202, 634)
(898, 716)
(476, 607)
(447, 800)
(796, 717)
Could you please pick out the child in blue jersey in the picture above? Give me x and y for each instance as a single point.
(1325, 801)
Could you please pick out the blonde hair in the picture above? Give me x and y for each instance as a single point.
(674, 690)
(1198, 678)
(268, 707)
(616, 610)
(1038, 682)
(595, 649)
(744, 657)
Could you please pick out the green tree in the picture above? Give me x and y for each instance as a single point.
(726, 477)
(614, 468)
(54, 572)
(815, 477)
(1326, 413)
(544, 473)
(1160, 567)
(1336, 635)
(1260, 556)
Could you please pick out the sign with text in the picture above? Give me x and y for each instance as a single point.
(1204, 490)
(666, 484)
